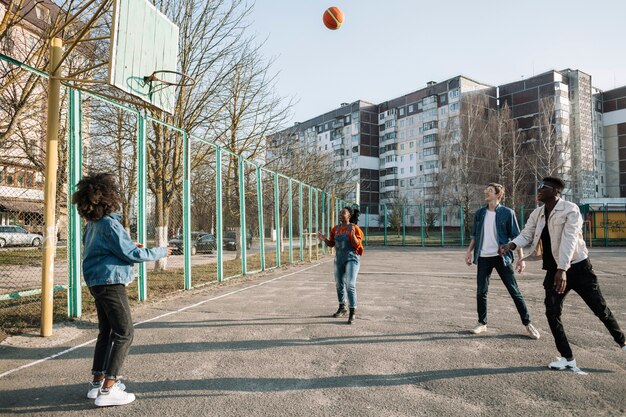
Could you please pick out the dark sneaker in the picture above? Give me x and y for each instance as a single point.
(341, 311)
(352, 316)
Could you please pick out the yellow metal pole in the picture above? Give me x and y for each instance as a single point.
(52, 162)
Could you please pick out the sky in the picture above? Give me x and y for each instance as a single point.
(388, 48)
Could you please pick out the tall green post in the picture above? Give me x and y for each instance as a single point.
(290, 218)
(259, 191)
(462, 226)
(218, 214)
(277, 219)
(385, 224)
(443, 238)
(75, 163)
(403, 228)
(187, 209)
(142, 180)
(242, 216)
(422, 225)
(367, 223)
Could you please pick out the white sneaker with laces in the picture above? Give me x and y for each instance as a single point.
(114, 396)
(562, 363)
(533, 333)
(479, 329)
(94, 389)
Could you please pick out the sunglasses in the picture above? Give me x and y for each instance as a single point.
(543, 185)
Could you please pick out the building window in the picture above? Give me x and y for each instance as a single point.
(454, 93)
(454, 106)
(410, 108)
(411, 170)
(401, 111)
(401, 183)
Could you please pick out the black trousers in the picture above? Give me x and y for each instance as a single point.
(115, 327)
(581, 279)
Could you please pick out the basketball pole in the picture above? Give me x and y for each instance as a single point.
(52, 162)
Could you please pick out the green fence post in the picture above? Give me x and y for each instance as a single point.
(606, 224)
(403, 228)
(259, 191)
(522, 216)
(441, 210)
(290, 217)
(242, 214)
(385, 224)
(75, 163)
(301, 225)
(187, 209)
(422, 224)
(277, 219)
(324, 232)
(367, 223)
(218, 214)
(462, 212)
(142, 180)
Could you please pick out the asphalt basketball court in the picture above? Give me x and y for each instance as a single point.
(268, 347)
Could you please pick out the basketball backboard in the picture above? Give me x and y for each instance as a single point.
(143, 40)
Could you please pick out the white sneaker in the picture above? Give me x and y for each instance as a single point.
(624, 348)
(479, 329)
(95, 387)
(562, 363)
(533, 333)
(114, 396)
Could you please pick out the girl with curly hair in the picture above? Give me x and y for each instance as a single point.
(109, 256)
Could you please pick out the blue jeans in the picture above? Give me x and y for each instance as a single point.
(115, 327)
(346, 270)
(507, 275)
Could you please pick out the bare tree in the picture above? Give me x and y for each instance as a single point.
(466, 155)
(506, 140)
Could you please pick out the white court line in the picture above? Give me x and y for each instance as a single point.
(56, 355)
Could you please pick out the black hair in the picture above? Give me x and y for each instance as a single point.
(354, 214)
(96, 196)
(557, 182)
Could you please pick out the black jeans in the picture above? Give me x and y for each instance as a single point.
(507, 275)
(582, 279)
(116, 329)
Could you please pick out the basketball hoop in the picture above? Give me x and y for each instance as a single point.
(161, 79)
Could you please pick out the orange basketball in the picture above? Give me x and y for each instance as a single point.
(333, 18)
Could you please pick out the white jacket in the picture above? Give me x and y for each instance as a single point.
(566, 234)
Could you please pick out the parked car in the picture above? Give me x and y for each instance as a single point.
(200, 242)
(18, 236)
(229, 241)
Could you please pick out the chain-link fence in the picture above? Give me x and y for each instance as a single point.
(223, 215)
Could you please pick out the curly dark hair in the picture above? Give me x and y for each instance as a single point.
(96, 196)
(354, 214)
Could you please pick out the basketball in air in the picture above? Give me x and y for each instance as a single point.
(333, 18)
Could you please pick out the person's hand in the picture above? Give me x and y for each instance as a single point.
(139, 245)
(169, 250)
(504, 249)
(468, 258)
(520, 266)
(560, 281)
(320, 236)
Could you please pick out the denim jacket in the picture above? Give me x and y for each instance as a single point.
(109, 253)
(506, 228)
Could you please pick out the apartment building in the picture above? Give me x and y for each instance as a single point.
(567, 96)
(611, 122)
(350, 134)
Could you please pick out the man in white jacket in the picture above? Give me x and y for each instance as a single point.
(565, 258)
